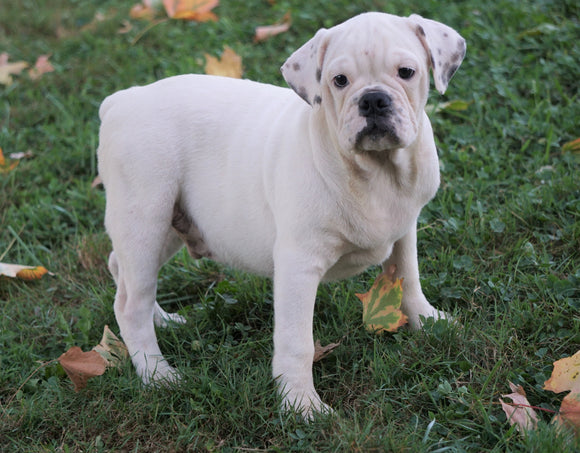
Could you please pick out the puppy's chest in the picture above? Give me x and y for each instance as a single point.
(370, 231)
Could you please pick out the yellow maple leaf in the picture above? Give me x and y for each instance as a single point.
(198, 10)
(566, 377)
(382, 303)
(229, 65)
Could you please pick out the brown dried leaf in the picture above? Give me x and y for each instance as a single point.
(81, 366)
(320, 352)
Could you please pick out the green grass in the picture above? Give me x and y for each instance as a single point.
(499, 247)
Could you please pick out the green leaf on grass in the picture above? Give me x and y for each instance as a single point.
(382, 303)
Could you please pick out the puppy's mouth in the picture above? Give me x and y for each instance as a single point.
(379, 134)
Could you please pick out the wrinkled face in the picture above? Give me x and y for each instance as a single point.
(368, 78)
(373, 91)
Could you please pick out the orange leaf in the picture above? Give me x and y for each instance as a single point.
(22, 272)
(42, 66)
(81, 366)
(267, 31)
(7, 70)
(572, 147)
(198, 10)
(381, 304)
(4, 167)
(519, 413)
(569, 414)
(229, 65)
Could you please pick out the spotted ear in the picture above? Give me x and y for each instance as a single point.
(446, 49)
(303, 69)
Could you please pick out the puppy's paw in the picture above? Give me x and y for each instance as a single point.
(416, 319)
(307, 403)
(163, 319)
(156, 372)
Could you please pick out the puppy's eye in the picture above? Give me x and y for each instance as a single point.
(406, 73)
(340, 81)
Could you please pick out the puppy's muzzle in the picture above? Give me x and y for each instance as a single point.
(379, 132)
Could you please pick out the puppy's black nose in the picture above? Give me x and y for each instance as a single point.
(375, 103)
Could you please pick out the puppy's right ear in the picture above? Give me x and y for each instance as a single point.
(303, 70)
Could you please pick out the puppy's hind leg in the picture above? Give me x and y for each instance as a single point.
(136, 260)
(160, 316)
(173, 244)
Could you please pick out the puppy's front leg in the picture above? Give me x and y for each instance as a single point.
(295, 283)
(404, 257)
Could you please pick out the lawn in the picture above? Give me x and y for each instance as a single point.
(499, 246)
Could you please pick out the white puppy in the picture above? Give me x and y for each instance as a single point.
(253, 176)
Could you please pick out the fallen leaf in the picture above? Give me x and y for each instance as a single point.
(21, 155)
(320, 352)
(96, 182)
(381, 304)
(520, 412)
(4, 166)
(572, 147)
(142, 11)
(267, 31)
(569, 413)
(42, 66)
(451, 106)
(126, 27)
(23, 272)
(198, 10)
(229, 65)
(566, 377)
(81, 366)
(111, 349)
(7, 70)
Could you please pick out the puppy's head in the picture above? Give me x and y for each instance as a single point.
(369, 76)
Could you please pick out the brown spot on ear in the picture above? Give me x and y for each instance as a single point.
(420, 31)
(317, 100)
(318, 75)
(296, 66)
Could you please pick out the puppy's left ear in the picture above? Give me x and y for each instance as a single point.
(303, 70)
(446, 49)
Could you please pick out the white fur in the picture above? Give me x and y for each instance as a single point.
(272, 185)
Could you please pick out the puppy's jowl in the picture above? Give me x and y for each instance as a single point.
(305, 185)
